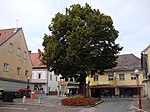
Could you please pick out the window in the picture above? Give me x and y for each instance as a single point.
(110, 77)
(96, 77)
(121, 77)
(18, 52)
(10, 47)
(5, 68)
(24, 55)
(26, 72)
(50, 77)
(133, 77)
(18, 71)
(39, 76)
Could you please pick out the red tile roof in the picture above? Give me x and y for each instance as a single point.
(35, 58)
(6, 34)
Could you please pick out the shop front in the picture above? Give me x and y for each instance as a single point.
(102, 89)
(68, 88)
(129, 90)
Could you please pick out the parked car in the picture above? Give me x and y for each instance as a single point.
(23, 92)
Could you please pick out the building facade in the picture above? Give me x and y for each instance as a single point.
(15, 62)
(44, 81)
(119, 81)
(145, 58)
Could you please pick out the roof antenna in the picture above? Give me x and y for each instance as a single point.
(16, 25)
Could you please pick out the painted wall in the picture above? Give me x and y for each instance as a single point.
(13, 86)
(47, 78)
(13, 60)
(104, 79)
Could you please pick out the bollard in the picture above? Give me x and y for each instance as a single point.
(24, 99)
(40, 100)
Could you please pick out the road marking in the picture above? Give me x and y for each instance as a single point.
(139, 109)
(13, 108)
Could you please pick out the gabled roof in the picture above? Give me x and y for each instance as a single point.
(35, 58)
(127, 62)
(6, 34)
(148, 47)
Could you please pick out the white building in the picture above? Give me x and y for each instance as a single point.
(43, 80)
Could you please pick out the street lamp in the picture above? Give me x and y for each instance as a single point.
(138, 88)
(28, 86)
(58, 93)
(28, 82)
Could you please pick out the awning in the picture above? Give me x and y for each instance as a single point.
(102, 86)
(129, 86)
(1, 89)
(72, 87)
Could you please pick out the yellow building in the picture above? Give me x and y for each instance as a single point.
(15, 63)
(118, 81)
(145, 56)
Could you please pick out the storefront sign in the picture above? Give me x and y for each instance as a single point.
(103, 83)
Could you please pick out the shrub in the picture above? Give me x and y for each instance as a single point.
(78, 100)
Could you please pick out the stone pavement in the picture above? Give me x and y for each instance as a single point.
(145, 105)
(53, 102)
(47, 104)
(40, 100)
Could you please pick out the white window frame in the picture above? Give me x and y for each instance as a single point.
(5, 68)
(56, 79)
(10, 47)
(51, 77)
(121, 77)
(39, 75)
(26, 72)
(133, 77)
(110, 77)
(18, 70)
(18, 51)
(95, 76)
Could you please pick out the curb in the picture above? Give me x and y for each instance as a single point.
(82, 106)
(99, 103)
(26, 104)
(133, 107)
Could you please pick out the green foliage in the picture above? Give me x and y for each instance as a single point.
(82, 40)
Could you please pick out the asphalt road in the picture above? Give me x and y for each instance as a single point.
(109, 105)
(112, 105)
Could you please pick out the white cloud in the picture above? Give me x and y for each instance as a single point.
(131, 19)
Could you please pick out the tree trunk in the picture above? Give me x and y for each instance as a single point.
(82, 85)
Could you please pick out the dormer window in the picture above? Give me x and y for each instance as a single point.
(126, 65)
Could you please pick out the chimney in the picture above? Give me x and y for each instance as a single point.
(30, 52)
(40, 53)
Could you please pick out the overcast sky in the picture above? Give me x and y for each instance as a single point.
(131, 18)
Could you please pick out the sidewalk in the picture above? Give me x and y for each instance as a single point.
(42, 101)
(145, 105)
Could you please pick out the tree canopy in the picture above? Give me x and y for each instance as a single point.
(81, 40)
